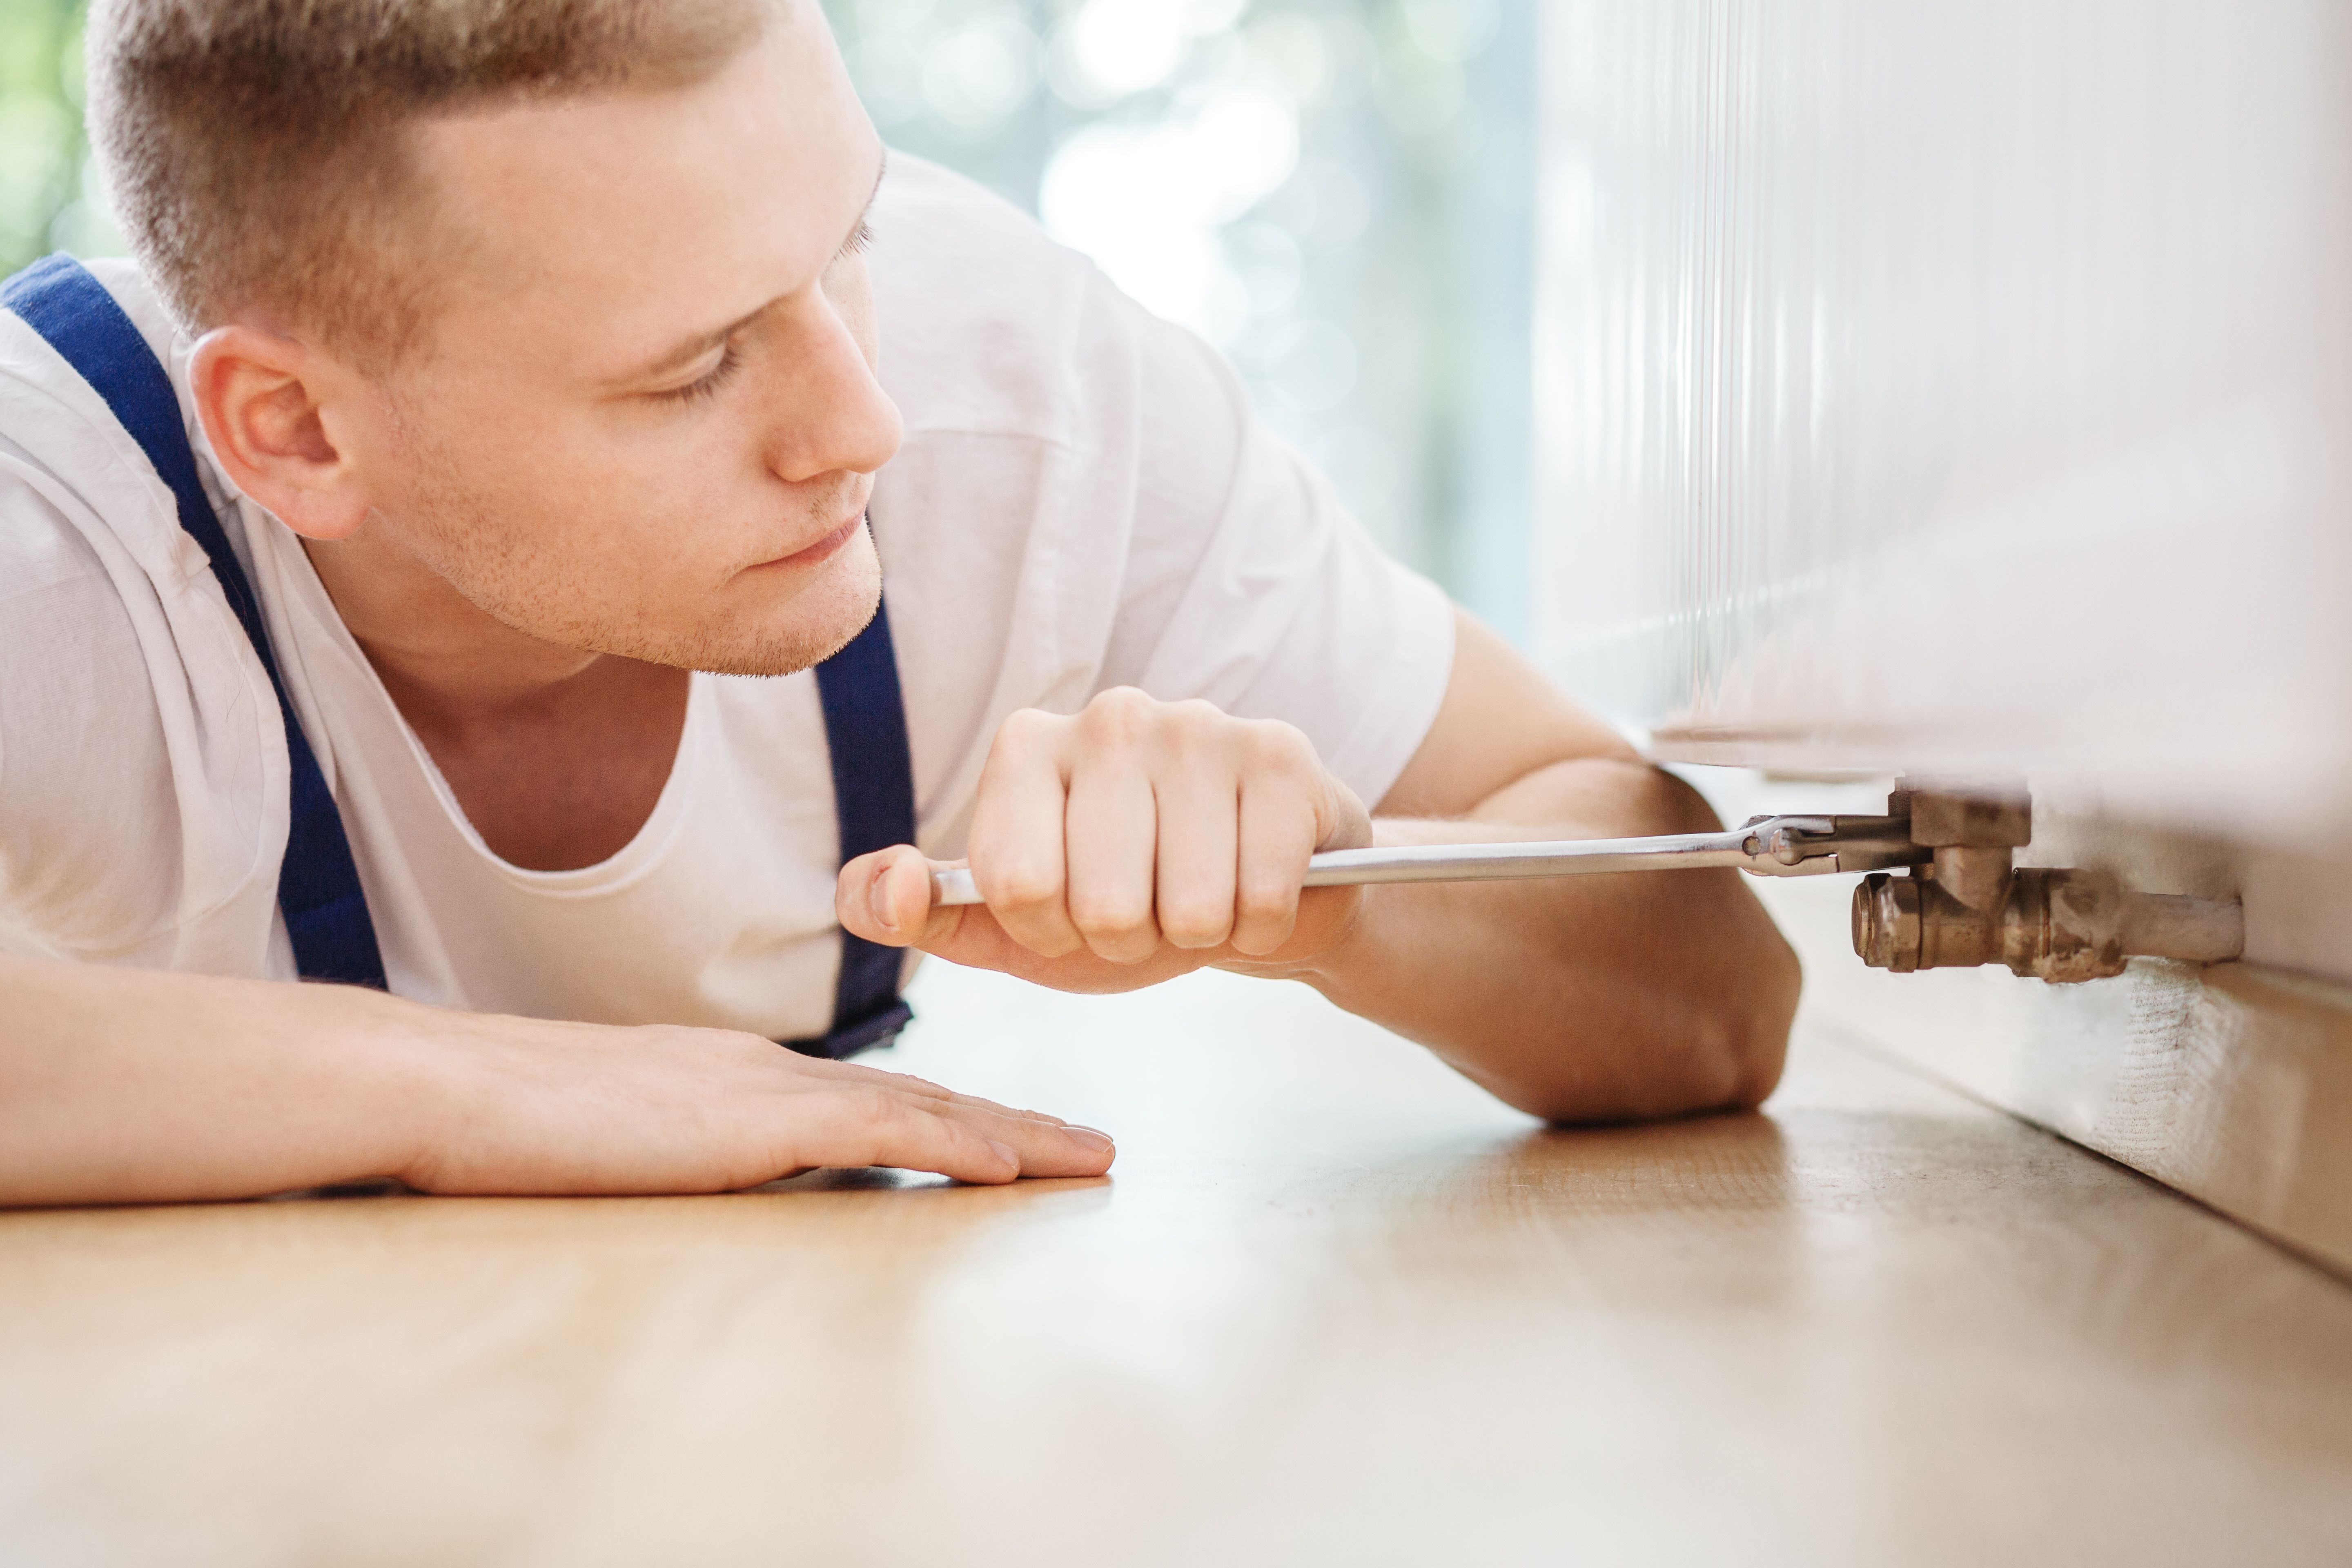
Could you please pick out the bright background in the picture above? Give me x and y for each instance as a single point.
(1336, 193)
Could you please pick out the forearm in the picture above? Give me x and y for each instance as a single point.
(119, 1086)
(1577, 998)
(123, 1086)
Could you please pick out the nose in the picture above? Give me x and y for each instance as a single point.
(828, 413)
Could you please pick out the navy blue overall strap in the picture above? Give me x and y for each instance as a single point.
(317, 884)
(874, 799)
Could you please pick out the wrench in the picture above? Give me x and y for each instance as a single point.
(1765, 847)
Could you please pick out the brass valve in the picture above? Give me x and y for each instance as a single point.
(1968, 906)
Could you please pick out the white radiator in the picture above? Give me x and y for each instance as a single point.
(1962, 385)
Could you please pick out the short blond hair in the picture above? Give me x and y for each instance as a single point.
(256, 149)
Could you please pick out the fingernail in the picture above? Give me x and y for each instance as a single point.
(1011, 1155)
(1100, 1142)
(878, 899)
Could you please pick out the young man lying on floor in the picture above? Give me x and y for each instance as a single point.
(448, 561)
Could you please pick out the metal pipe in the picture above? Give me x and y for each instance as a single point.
(2195, 931)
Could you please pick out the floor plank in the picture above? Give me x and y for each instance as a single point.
(1335, 1305)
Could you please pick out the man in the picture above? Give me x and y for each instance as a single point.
(540, 420)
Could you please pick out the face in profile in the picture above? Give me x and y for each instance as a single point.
(647, 420)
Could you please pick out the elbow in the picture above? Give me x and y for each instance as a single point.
(1719, 1044)
(1735, 1044)
(1718, 1026)
(1750, 1044)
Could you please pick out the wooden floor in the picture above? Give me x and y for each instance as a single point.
(1334, 1306)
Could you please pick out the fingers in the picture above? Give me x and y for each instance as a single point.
(906, 1083)
(1111, 835)
(1279, 830)
(1198, 843)
(870, 1125)
(1041, 1147)
(1017, 835)
(1136, 832)
(1047, 1145)
(1274, 852)
(876, 1124)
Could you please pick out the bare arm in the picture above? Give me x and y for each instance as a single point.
(1634, 995)
(1137, 840)
(119, 1086)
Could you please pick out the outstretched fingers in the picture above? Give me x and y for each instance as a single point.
(869, 1126)
(878, 1119)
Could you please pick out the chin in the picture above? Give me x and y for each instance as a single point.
(806, 629)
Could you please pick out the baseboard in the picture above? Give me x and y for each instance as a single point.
(2232, 1084)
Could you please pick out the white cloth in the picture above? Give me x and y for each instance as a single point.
(1084, 500)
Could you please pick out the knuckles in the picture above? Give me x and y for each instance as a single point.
(1027, 730)
(1118, 719)
(1195, 725)
(1272, 748)
(1126, 719)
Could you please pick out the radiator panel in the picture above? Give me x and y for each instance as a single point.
(1957, 386)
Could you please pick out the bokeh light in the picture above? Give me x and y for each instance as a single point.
(1336, 193)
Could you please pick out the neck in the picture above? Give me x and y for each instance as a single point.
(436, 650)
(556, 756)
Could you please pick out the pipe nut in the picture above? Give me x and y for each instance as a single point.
(2065, 926)
(1886, 922)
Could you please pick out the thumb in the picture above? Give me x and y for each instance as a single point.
(885, 897)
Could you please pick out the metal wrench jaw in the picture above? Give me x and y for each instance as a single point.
(1826, 845)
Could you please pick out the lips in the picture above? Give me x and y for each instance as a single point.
(821, 549)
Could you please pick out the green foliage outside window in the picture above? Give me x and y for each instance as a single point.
(49, 197)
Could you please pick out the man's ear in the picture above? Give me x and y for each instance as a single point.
(263, 399)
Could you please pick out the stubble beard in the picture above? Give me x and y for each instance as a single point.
(517, 581)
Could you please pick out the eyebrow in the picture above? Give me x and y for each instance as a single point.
(687, 351)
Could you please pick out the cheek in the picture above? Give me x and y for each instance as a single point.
(666, 515)
(582, 473)
(485, 449)
(515, 502)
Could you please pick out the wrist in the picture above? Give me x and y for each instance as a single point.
(414, 1077)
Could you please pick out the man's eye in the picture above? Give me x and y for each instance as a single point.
(709, 385)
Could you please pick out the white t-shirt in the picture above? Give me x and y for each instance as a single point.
(1083, 501)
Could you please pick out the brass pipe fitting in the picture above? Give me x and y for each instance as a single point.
(1970, 907)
